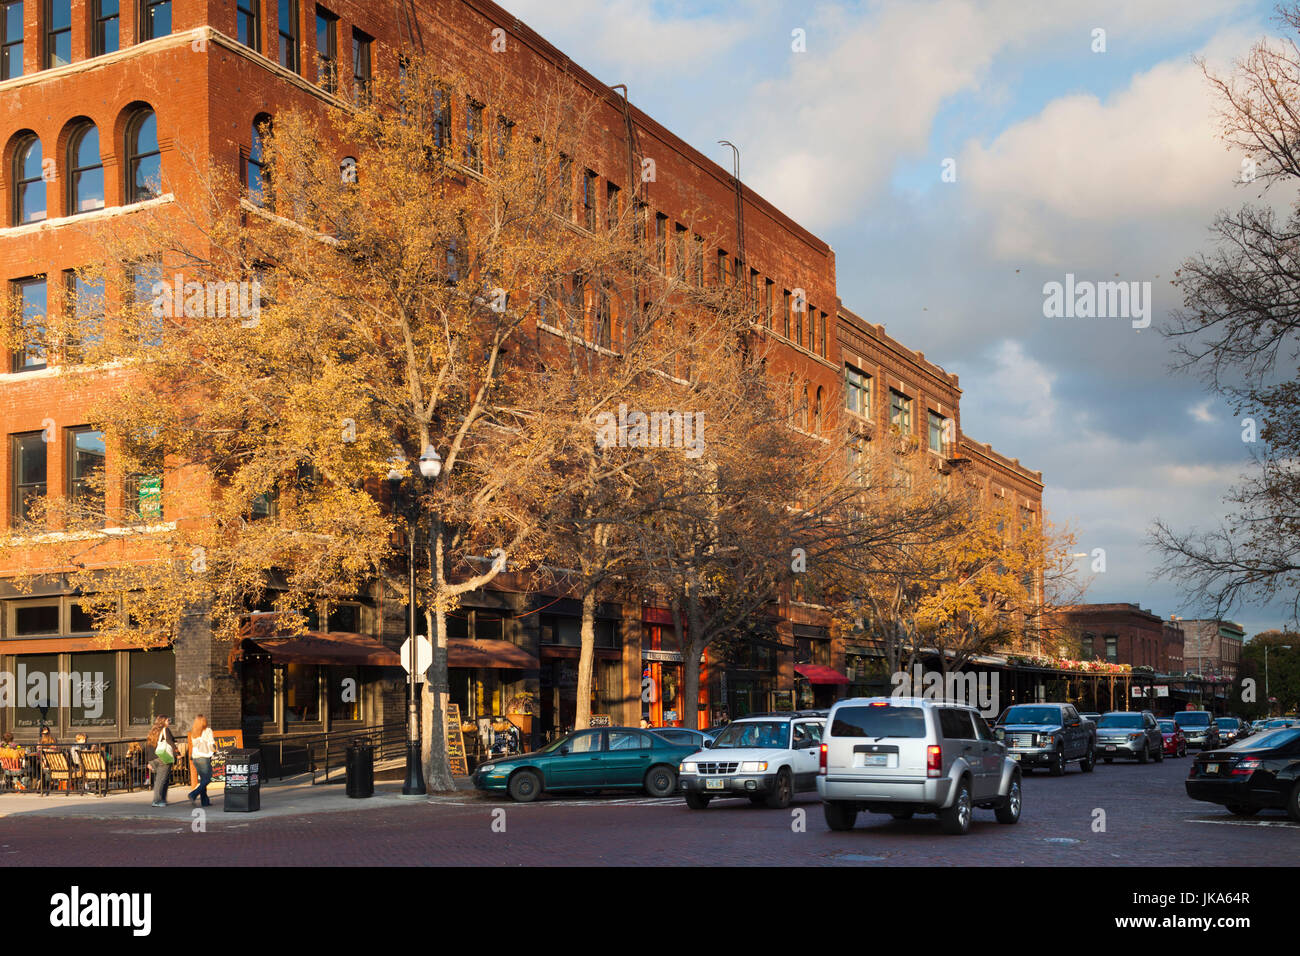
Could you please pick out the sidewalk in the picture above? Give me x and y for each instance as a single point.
(295, 796)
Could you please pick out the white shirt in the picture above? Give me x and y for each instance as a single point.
(204, 744)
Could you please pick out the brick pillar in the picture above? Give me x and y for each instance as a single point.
(204, 683)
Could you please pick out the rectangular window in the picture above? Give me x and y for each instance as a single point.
(327, 50)
(288, 30)
(143, 278)
(11, 40)
(29, 478)
(361, 45)
(344, 618)
(58, 33)
(661, 241)
(819, 345)
(680, 252)
(752, 292)
(723, 259)
(30, 301)
(564, 197)
(505, 135)
(85, 310)
(93, 689)
(611, 206)
(900, 411)
(106, 15)
(1086, 651)
(936, 432)
(857, 391)
(798, 321)
(1112, 648)
(474, 135)
(768, 301)
(589, 199)
(604, 319)
(344, 692)
(301, 693)
(155, 19)
(787, 306)
(441, 119)
(85, 461)
(248, 23)
(697, 268)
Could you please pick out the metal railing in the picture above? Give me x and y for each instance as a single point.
(41, 769)
(324, 754)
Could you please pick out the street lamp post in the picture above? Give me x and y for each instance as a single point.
(430, 466)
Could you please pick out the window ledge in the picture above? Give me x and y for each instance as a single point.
(108, 212)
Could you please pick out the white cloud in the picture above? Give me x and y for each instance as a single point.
(1201, 411)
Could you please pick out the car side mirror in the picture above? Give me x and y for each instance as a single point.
(564, 751)
(708, 744)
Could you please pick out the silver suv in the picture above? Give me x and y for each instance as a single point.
(906, 755)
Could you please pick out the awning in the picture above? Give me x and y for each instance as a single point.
(820, 674)
(467, 652)
(318, 647)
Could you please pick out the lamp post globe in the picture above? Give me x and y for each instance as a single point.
(430, 462)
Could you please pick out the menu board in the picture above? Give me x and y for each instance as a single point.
(456, 742)
(601, 720)
(225, 740)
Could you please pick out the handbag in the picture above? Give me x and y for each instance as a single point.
(164, 751)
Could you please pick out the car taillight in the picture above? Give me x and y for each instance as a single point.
(821, 761)
(933, 760)
(1245, 768)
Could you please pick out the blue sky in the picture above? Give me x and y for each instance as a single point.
(1105, 165)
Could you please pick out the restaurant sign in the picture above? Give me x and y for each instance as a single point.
(674, 657)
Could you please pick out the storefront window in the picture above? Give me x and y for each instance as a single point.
(344, 693)
(152, 678)
(301, 693)
(93, 702)
(257, 689)
(33, 620)
(36, 682)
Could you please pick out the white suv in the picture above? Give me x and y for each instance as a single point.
(767, 758)
(906, 755)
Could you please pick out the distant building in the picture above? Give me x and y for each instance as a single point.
(1171, 648)
(1115, 633)
(1213, 647)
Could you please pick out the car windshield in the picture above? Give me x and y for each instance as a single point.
(1168, 726)
(1227, 723)
(1031, 715)
(557, 744)
(755, 733)
(1269, 740)
(1120, 720)
(1192, 718)
(878, 721)
(1278, 723)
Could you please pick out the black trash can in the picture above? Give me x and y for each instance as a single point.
(243, 781)
(360, 762)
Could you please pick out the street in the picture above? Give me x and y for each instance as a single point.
(1120, 815)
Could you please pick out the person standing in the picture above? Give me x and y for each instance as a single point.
(162, 745)
(202, 747)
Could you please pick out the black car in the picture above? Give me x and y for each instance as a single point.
(1263, 771)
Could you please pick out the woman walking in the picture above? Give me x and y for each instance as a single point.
(163, 747)
(202, 746)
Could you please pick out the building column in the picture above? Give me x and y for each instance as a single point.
(204, 683)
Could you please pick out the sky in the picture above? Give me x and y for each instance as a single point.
(1079, 138)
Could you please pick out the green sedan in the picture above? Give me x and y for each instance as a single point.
(607, 758)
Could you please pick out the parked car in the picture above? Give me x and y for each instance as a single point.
(767, 759)
(1281, 723)
(608, 758)
(1263, 771)
(1130, 733)
(907, 755)
(1091, 715)
(1047, 735)
(1257, 725)
(699, 739)
(1231, 730)
(1200, 727)
(1175, 742)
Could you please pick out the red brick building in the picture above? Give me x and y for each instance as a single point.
(1116, 633)
(98, 109)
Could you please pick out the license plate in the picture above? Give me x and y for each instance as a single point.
(875, 760)
(1015, 757)
(1110, 746)
(713, 783)
(1211, 768)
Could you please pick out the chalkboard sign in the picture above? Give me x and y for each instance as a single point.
(224, 740)
(601, 720)
(456, 742)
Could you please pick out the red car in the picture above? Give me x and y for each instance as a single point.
(1175, 743)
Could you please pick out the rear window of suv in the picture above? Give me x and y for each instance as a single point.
(878, 722)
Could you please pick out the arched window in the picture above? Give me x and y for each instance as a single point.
(143, 158)
(256, 177)
(85, 171)
(29, 185)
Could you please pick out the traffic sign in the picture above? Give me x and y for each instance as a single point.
(423, 656)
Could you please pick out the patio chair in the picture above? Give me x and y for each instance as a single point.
(94, 770)
(11, 773)
(55, 770)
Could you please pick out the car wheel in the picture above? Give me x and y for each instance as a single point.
(782, 793)
(1009, 810)
(840, 816)
(1160, 753)
(525, 786)
(1057, 768)
(901, 814)
(1182, 751)
(1089, 763)
(697, 801)
(661, 781)
(1241, 810)
(1293, 804)
(1143, 755)
(956, 819)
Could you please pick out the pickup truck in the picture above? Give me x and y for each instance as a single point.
(1047, 735)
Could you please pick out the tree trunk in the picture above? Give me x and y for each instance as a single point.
(692, 650)
(586, 656)
(437, 768)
